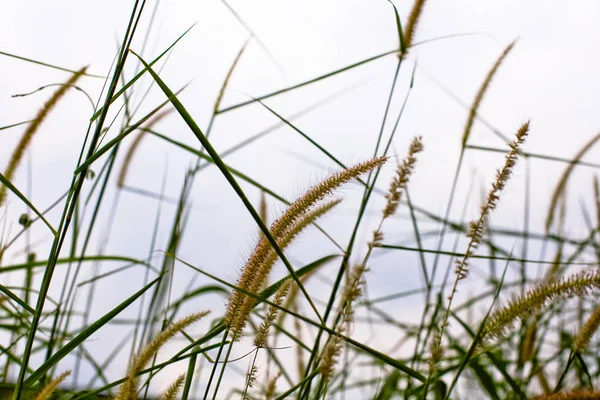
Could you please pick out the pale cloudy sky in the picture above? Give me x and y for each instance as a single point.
(550, 77)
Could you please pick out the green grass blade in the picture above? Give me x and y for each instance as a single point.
(47, 65)
(83, 335)
(16, 299)
(21, 196)
(305, 83)
(223, 168)
(138, 76)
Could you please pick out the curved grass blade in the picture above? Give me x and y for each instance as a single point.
(47, 65)
(21, 196)
(399, 26)
(17, 267)
(13, 125)
(16, 299)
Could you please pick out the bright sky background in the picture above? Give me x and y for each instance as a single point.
(551, 77)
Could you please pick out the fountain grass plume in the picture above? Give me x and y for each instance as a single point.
(135, 144)
(481, 92)
(284, 229)
(48, 390)
(260, 340)
(173, 390)
(128, 390)
(588, 330)
(562, 183)
(522, 306)
(411, 23)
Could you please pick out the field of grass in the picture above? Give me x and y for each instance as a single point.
(179, 242)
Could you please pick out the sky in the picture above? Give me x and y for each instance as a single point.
(549, 78)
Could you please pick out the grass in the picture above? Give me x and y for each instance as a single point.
(488, 319)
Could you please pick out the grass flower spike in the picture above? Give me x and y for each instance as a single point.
(173, 390)
(128, 390)
(500, 321)
(412, 22)
(587, 331)
(298, 215)
(260, 339)
(48, 390)
(481, 92)
(475, 232)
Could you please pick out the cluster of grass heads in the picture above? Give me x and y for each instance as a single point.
(301, 343)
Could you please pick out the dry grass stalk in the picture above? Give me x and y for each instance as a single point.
(399, 183)
(251, 378)
(260, 339)
(271, 386)
(476, 230)
(33, 127)
(352, 291)
(522, 306)
(331, 353)
(260, 262)
(562, 183)
(262, 210)
(128, 390)
(437, 352)
(481, 92)
(227, 78)
(587, 331)
(135, 144)
(541, 376)
(529, 342)
(173, 390)
(597, 200)
(403, 173)
(49, 389)
(555, 269)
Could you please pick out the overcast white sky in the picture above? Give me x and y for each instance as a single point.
(551, 77)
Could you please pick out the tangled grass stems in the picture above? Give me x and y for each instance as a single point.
(33, 127)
